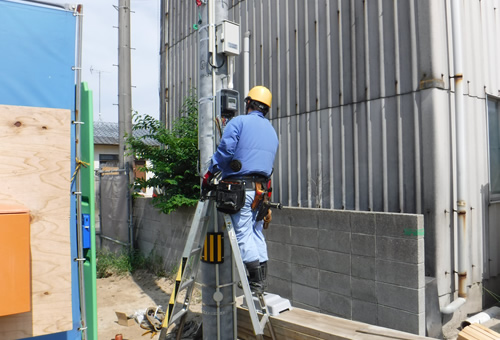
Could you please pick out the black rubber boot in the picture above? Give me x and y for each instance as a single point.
(255, 279)
(263, 268)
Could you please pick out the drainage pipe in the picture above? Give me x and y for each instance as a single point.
(460, 135)
(481, 317)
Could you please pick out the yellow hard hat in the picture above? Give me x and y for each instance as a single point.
(261, 94)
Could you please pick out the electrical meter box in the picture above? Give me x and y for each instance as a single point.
(227, 103)
(228, 38)
(15, 263)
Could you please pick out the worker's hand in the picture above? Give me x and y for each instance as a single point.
(206, 184)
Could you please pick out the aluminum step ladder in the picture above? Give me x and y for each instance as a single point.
(188, 269)
(258, 325)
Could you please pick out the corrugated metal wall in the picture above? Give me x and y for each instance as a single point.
(343, 76)
(363, 106)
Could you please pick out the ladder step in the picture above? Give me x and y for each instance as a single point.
(186, 283)
(178, 315)
(196, 250)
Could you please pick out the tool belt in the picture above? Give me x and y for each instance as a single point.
(230, 196)
(230, 192)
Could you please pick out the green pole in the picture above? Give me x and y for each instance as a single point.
(88, 206)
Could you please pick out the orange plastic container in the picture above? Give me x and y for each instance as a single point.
(15, 264)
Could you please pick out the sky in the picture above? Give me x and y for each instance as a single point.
(100, 54)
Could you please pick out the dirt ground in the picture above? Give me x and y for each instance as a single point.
(133, 294)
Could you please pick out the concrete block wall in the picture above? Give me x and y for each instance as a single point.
(164, 234)
(363, 266)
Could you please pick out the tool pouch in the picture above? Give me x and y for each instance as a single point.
(230, 196)
(263, 209)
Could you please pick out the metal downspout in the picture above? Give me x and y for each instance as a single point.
(462, 246)
(246, 63)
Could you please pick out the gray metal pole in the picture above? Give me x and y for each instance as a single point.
(125, 100)
(124, 80)
(217, 279)
(163, 63)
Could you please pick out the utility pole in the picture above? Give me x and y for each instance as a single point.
(124, 82)
(219, 314)
(125, 103)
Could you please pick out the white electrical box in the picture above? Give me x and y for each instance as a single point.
(228, 38)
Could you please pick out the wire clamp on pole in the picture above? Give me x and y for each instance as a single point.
(76, 259)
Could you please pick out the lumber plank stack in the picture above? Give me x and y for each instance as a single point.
(477, 331)
(302, 324)
(35, 171)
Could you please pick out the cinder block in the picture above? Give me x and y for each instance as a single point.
(363, 222)
(335, 283)
(281, 216)
(335, 304)
(278, 233)
(401, 320)
(307, 276)
(363, 311)
(362, 244)
(398, 273)
(279, 286)
(304, 255)
(280, 269)
(306, 237)
(400, 225)
(278, 251)
(407, 299)
(335, 262)
(364, 290)
(305, 306)
(363, 267)
(306, 218)
(339, 241)
(335, 220)
(400, 249)
(305, 295)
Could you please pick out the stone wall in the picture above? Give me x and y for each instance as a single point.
(367, 267)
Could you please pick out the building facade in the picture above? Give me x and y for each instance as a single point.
(365, 109)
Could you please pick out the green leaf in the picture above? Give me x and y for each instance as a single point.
(173, 165)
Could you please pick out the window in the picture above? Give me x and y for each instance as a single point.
(494, 147)
(108, 160)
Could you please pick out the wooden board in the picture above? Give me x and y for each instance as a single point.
(35, 166)
(307, 325)
(477, 332)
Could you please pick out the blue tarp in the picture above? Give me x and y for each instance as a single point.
(37, 56)
(37, 53)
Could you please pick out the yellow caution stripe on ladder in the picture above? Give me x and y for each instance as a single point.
(213, 250)
(173, 296)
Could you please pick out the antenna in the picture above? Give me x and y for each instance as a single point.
(92, 70)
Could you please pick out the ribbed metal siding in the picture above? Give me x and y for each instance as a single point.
(337, 111)
(345, 78)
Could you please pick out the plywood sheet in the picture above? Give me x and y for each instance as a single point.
(35, 166)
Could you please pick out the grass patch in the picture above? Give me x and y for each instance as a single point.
(127, 261)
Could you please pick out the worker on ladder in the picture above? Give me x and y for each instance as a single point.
(245, 158)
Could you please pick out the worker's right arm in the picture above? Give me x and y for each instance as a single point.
(227, 146)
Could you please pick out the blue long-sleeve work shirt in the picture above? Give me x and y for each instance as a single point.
(252, 140)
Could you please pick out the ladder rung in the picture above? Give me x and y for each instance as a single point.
(195, 250)
(178, 315)
(186, 283)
